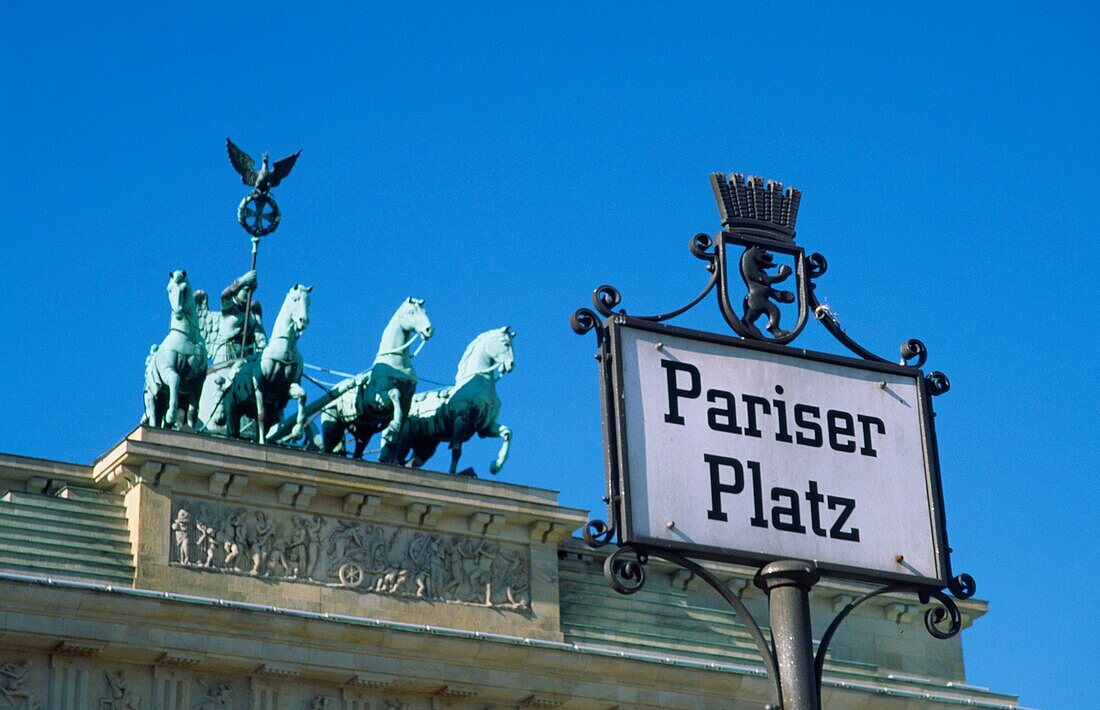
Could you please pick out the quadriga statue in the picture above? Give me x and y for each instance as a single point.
(239, 392)
(381, 397)
(174, 370)
(471, 406)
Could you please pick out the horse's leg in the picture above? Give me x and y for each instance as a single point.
(422, 451)
(261, 420)
(460, 434)
(506, 434)
(393, 430)
(192, 411)
(456, 453)
(401, 446)
(313, 440)
(332, 433)
(150, 395)
(172, 381)
(193, 398)
(232, 418)
(298, 395)
(360, 446)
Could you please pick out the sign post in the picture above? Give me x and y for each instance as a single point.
(742, 449)
(788, 586)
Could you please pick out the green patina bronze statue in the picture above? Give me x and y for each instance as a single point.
(252, 378)
(471, 406)
(242, 398)
(231, 340)
(174, 370)
(381, 397)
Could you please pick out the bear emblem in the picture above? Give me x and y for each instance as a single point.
(755, 263)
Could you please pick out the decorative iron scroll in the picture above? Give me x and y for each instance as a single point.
(350, 554)
(759, 218)
(962, 587)
(625, 571)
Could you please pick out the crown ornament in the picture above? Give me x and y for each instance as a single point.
(755, 206)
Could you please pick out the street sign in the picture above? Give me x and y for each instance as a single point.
(750, 452)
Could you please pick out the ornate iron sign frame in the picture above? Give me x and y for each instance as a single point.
(759, 218)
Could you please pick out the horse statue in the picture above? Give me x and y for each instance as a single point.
(243, 391)
(471, 406)
(382, 396)
(174, 370)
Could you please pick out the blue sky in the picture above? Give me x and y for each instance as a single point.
(502, 162)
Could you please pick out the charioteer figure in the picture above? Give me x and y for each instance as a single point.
(238, 307)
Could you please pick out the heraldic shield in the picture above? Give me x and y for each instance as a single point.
(757, 258)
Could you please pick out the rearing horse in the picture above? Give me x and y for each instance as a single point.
(174, 371)
(260, 390)
(381, 397)
(454, 414)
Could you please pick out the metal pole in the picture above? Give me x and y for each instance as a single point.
(788, 586)
(248, 299)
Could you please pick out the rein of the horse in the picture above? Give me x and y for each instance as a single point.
(396, 351)
(402, 348)
(486, 371)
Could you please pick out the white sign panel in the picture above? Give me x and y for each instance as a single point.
(747, 453)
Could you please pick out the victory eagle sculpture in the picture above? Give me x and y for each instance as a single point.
(268, 176)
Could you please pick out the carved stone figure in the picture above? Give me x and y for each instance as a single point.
(232, 535)
(218, 695)
(304, 546)
(118, 697)
(258, 391)
(296, 546)
(755, 263)
(261, 541)
(511, 575)
(437, 566)
(235, 301)
(175, 371)
(380, 545)
(208, 542)
(477, 558)
(417, 557)
(181, 533)
(380, 398)
(13, 676)
(342, 542)
(471, 406)
(314, 528)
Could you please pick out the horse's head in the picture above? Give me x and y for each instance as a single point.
(412, 317)
(492, 350)
(295, 310)
(500, 349)
(180, 296)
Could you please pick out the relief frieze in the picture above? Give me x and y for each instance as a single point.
(353, 554)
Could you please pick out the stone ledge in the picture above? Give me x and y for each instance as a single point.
(228, 468)
(238, 639)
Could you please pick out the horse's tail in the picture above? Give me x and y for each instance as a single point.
(151, 364)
